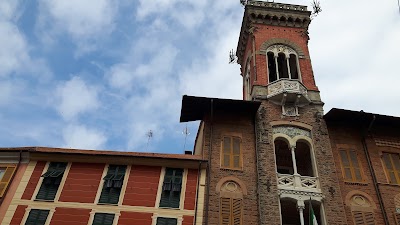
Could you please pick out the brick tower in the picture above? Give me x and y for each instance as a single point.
(294, 156)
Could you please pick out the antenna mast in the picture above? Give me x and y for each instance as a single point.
(186, 133)
(149, 135)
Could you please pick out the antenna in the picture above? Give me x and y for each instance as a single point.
(398, 3)
(316, 8)
(149, 135)
(232, 57)
(185, 132)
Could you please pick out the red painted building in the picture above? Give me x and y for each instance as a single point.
(68, 186)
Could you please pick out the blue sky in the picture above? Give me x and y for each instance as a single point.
(99, 74)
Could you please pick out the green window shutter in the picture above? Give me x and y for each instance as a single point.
(103, 219)
(166, 221)
(37, 217)
(51, 181)
(112, 184)
(172, 186)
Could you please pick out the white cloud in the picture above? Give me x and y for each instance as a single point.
(75, 97)
(85, 21)
(79, 136)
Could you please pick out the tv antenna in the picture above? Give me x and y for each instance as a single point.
(232, 57)
(149, 135)
(186, 133)
(316, 5)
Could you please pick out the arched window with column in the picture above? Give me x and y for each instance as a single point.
(283, 63)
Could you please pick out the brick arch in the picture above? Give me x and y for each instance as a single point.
(234, 179)
(287, 42)
(348, 198)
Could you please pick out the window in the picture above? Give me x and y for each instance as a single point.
(103, 219)
(171, 189)
(231, 211)
(51, 181)
(350, 166)
(112, 184)
(392, 167)
(166, 221)
(37, 217)
(363, 218)
(231, 153)
(282, 62)
(5, 176)
(247, 82)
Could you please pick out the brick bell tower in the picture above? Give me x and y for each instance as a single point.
(294, 156)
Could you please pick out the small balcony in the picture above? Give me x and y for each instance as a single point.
(297, 182)
(288, 91)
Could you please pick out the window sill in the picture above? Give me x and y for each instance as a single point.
(169, 208)
(359, 183)
(43, 200)
(232, 169)
(112, 204)
(389, 184)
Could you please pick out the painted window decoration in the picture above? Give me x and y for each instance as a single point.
(231, 153)
(166, 221)
(5, 176)
(51, 181)
(392, 167)
(103, 219)
(351, 166)
(282, 62)
(112, 184)
(37, 217)
(171, 188)
(231, 211)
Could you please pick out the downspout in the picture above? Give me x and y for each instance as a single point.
(197, 194)
(371, 170)
(209, 160)
(257, 168)
(12, 177)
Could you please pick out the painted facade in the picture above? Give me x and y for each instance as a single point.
(83, 187)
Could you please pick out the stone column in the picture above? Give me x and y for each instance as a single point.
(288, 66)
(301, 207)
(276, 66)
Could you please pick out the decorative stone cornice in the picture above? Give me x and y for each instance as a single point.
(270, 13)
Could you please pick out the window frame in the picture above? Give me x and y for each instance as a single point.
(63, 175)
(395, 171)
(29, 210)
(231, 155)
(103, 183)
(160, 189)
(287, 52)
(105, 213)
(351, 166)
(171, 191)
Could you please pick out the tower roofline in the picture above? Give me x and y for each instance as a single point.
(270, 13)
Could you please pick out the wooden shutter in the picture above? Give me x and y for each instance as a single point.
(237, 211)
(397, 218)
(231, 211)
(363, 218)
(225, 211)
(166, 221)
(51, 181)
(103, 219)
(112, 184)
(5, 180)
(37, 217)
(172, 186)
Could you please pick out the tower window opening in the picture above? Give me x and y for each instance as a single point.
(284, 162)
(272, 67)
(293, 67)
(282, 66)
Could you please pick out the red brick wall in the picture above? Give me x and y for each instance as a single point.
(37, 172)
(187, 220)
(191, 186)
(82, 182)
(129, 218)
(18, 215)
(142, 186)
(68, 216)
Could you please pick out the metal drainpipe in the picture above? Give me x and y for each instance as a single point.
(371, 170)
(209, 159)
(197, 194)
(12, 178)
(257, 168)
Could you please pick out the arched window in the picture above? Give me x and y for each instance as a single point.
(362, 207)
(231, 203)
(282, 63)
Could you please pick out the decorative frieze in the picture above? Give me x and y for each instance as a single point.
(291, 131)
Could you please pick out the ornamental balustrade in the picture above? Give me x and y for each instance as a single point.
(289, 181)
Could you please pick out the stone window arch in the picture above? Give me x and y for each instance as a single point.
(282, 63)
(362, 207)
(231, 201)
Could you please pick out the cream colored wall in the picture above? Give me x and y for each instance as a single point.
(103, 208)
